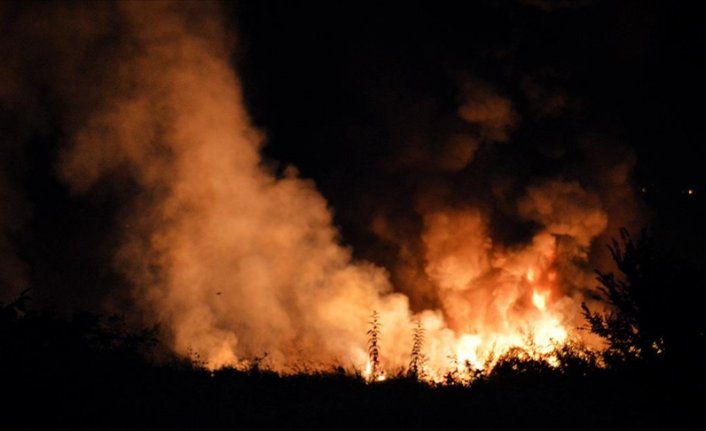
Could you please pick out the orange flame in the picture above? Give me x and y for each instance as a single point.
(539, 299)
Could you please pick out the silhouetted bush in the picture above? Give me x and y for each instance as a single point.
(654, 311)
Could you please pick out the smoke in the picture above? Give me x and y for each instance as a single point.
(565, 208)
(237, 261)
(485, 108)
(234, 261)
(505, 240)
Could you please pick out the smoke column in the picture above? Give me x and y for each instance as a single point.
(236, 261)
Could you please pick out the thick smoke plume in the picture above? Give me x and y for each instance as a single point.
(236, 261)
(233, 261)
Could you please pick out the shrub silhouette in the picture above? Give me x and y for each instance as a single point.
(654, 314)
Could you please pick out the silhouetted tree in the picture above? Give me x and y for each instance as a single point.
(631, 326)
(653, 308)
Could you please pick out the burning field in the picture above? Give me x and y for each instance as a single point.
(238, 260)
(303, 215)
(481, 231)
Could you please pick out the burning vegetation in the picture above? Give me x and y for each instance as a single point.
(242, 264)
(236, 261)
(477, 276)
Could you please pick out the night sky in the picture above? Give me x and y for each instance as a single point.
(322, 81)
(346, 92)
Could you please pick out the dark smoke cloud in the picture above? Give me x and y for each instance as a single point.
(486, 116)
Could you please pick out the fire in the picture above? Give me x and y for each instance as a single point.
(211, 218)
(494, 301)
(539, 299)
(467, 350)
(536, 327)
(368, 374)
(530, 275)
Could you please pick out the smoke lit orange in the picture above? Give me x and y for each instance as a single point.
(238, 263)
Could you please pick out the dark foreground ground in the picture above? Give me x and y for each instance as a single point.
(90, 373)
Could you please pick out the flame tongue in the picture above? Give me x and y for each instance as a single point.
(539, 299)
